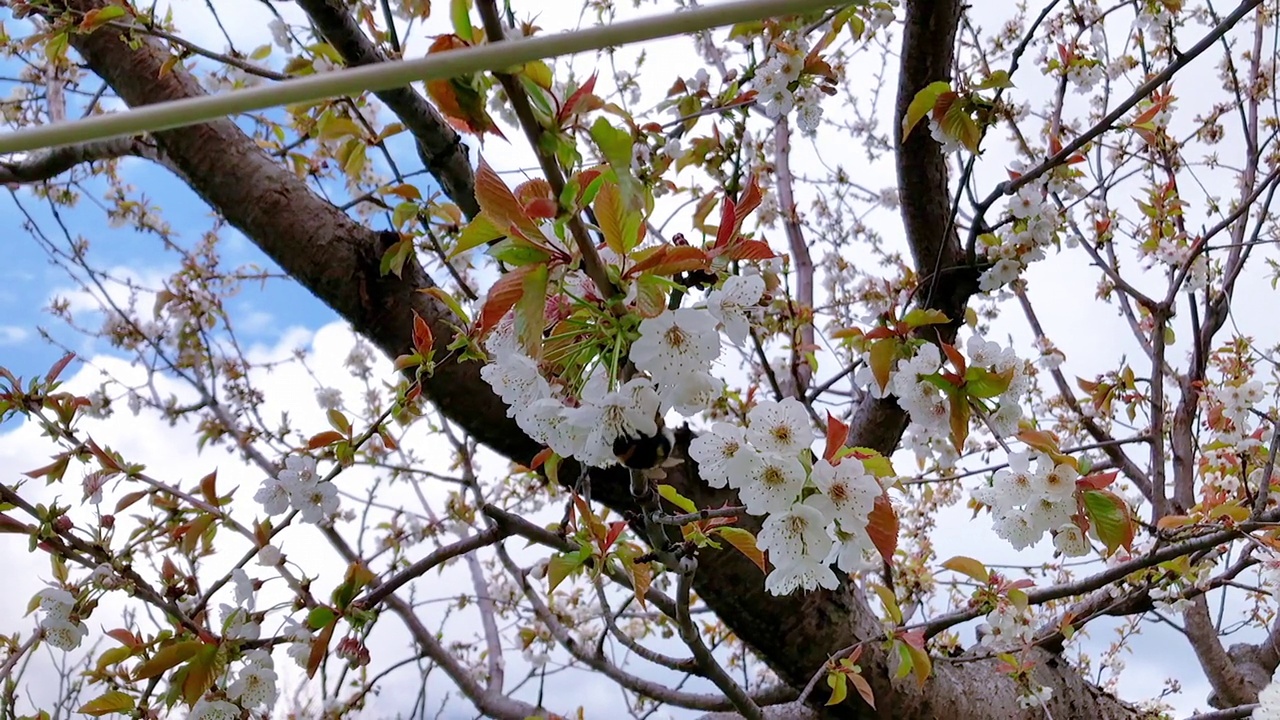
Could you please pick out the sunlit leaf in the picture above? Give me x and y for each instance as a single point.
(745, 543)
(112, 701)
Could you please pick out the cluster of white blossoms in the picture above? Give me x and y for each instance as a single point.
(1035, 225)
(1233, 402)
(1027, 502)
(930, 409)
(815, 512)
(300, 487)
(255, 686)
(1154, 20)
(1008, 627)
(773, 81)
(674, 354)
(1228, 406)
(61, 627)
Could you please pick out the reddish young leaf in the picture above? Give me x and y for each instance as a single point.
(423, 339)
(749, 250)
(125, 638)
(209, 487)
(58, 367)
(882, 526)
(615, 529)
(542, 209)
(957, 360)
(609, 215)
(501, 205)
(320, 648)
(864, 689)
(324, 439)
(670, 260)
(749, 201)
(503, 296)
(540, 458)
(727, 230)
(1097, 481)
(837, 434)
(582, 98)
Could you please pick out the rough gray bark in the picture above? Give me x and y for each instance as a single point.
(337, 260)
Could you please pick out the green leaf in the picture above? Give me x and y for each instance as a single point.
(968, 566)
(651, 295)
(958, 124)
(669, 494)
(113, 656)
(451, 302)
(403, 213)
(906, 661)
(921, 105)
(199, 674)
(839, 687)
(1110, 517)
(614, 144)
(890, 603)
(920, 663)
(745, 543)
(562, 566)
(516, 252)
(921, 317)
(983, 383)
(995, 81)
(460, 15)
(112, 701)
(479, 231)
(101, 16)
(167, 657)
(320, 617)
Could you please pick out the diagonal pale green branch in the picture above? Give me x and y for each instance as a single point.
(383, 76)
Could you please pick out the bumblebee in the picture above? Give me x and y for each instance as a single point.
(643, 452)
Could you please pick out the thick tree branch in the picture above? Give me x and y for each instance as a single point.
(47, 164)
(1230, 688)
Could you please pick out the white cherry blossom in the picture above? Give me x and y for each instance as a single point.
(1070, 541)
(774, 486)
(847, 491)
(516, 379)
(794, 535)
(731, 305)
(724, 457)
(675, 343)
(779, 427)
(630, 411)
(693, 393)
(808, 574)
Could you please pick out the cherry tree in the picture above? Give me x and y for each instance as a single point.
(693, 376)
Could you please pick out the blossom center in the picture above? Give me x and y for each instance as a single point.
(782, 433)
(773, 476)
(838, 493)
(676, 337)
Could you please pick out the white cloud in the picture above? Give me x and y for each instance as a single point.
(13, 335)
